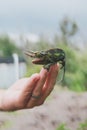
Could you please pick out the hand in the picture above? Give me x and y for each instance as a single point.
(29, 92)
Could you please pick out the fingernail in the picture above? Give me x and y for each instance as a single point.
(43, 71)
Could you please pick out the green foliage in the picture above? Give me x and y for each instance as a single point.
(76, 72)
(76, 60)
(76, 64)
(62, 127)
(6, 125)
(32, 69)
(7, 46)
(75, 81)
(83, 126)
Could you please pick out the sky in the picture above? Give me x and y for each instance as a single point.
(37, 16)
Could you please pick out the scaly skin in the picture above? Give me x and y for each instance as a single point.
(48, 58)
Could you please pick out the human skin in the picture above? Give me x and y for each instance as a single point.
(19, 95)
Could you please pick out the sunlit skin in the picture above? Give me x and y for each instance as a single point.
(18, 96)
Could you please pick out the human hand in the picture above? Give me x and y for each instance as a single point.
(29, 92)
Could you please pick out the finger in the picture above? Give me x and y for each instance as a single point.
(50, 82)
(26, 90)
(43, 76)
(51, 79)
(38, 89)
(30, 83)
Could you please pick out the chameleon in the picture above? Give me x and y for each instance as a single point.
(48, 58)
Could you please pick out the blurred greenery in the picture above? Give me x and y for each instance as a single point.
(7, 46)
(62, 127)
(31, 69)
(6, 125)
(76, 58)
(82, 126)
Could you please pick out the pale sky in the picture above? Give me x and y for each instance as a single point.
(37, 16)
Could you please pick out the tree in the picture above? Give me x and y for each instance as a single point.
(7, 46)
(68, 29)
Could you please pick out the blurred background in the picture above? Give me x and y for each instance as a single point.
(41, 25)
